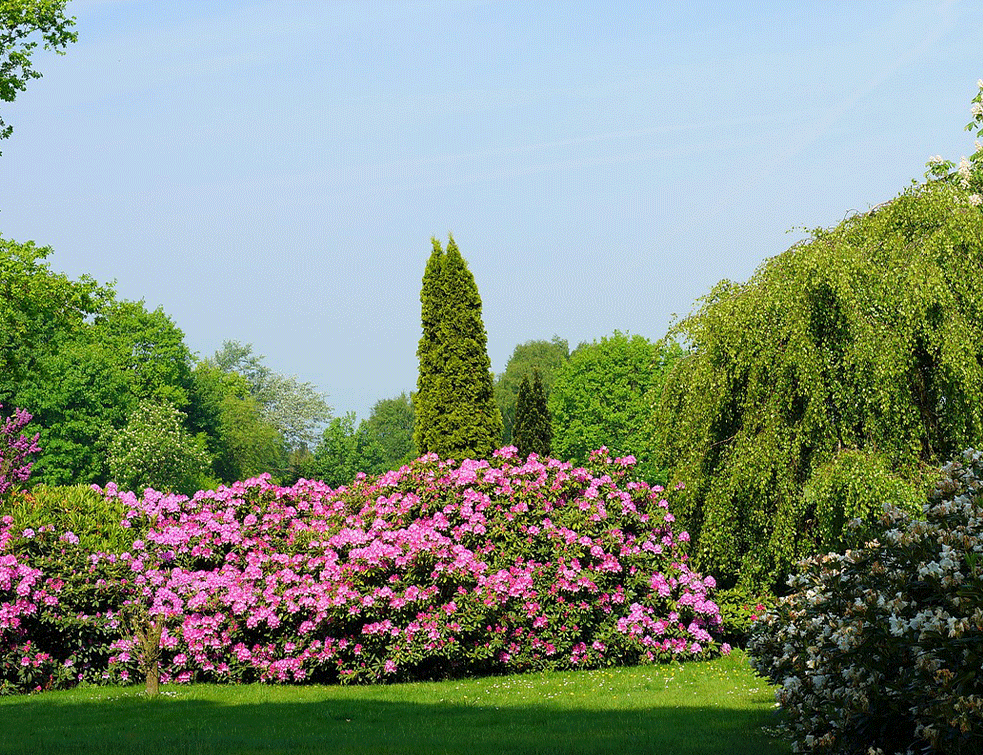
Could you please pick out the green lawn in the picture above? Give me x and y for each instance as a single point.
(713, 707)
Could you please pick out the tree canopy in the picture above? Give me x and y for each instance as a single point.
(600, 397)
(37, 307)
(296, 409)
(545, 356)
(241, 443)
(390, 427)
(155, 450)
(88, 376)
(855, 355)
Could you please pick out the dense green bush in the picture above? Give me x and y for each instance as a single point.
(533, 430)
(882, 646)
(739, 609)
(79, 509)
(852, 485)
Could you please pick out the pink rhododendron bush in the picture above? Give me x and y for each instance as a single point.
(433, 570)
(881, 648)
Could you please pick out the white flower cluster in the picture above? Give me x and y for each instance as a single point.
(882, 647)
(964, 170)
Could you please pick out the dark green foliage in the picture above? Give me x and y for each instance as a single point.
(340, 455)
(456, 414)
(241, 443)
(827, 384)
(390, 427)
(533, 428)
(380, 443)
(522, 401)
(429, 350)
(149, 348)
(546, 356)
(600, 398)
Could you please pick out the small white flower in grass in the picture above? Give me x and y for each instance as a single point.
(975, 199)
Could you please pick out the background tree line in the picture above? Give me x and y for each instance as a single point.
(838, 378)
(94, 369)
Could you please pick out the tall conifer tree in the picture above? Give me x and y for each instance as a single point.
(428, 352)
(533, 432)
(456, 412)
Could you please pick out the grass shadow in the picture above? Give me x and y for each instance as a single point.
(694, 709)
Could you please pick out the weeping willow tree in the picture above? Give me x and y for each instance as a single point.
(835, 379)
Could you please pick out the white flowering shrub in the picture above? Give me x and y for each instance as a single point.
(155, 450)
(880, 649)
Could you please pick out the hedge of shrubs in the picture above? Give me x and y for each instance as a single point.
(880, 650)
(433, 570)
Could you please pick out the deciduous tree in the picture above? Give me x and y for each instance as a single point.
(599, 398)
(86, 381)
(850, 363)
(296, 409)
(240, 441)
(155, 450)
(390, 427)
(37, 308)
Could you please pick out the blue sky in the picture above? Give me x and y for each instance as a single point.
(272, 172)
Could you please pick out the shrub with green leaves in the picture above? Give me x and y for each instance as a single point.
(882, 646)
(739, 609)
(93, 518)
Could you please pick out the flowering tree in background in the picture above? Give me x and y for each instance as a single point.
(15, 450)
(296, 409)
(154, 450)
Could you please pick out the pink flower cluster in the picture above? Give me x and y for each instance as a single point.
(434, 569)
(15, 449)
